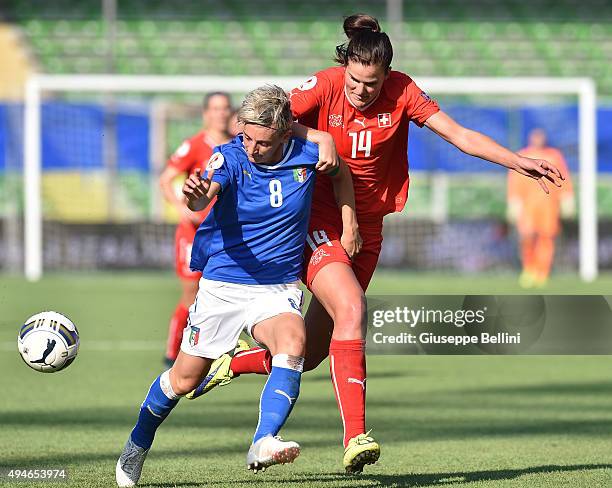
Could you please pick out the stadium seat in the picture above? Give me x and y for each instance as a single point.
(504, 35)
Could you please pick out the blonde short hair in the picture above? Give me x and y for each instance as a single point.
(267, 105)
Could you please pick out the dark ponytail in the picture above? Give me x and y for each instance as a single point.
(367, 44)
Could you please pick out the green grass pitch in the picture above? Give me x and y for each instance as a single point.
(486, 421)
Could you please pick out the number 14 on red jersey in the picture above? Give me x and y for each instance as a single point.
(361, 142)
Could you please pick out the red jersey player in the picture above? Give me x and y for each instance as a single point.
(367, 108)
(193, 153)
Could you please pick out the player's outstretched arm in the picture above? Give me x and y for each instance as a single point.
(200, 191)
(477, 144)
(345, 197)
(329, 161)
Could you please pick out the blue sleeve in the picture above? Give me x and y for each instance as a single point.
(311, 151)
(223, 174)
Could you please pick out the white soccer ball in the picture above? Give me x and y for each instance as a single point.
(48, 342)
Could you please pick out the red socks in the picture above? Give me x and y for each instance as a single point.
(175, 332)
(348, 372)
(256, 360)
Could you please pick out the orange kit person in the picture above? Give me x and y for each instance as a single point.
(537, 216)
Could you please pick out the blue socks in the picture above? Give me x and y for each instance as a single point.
(279, 394)
(157, 405)
(277, 399)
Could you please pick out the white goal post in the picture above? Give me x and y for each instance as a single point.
(583, 88)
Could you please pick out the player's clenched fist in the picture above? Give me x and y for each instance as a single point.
(329, 161)
(196, 189)
(351, 242)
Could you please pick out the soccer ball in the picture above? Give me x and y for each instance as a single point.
(48, 342)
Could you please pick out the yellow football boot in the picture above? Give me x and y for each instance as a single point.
(220, 373)
(361, 450)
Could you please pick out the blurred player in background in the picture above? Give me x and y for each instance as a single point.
(235, 127)
(367, 108)
(193, 153)
(536, 215)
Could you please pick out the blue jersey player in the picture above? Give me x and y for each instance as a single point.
(249, 250)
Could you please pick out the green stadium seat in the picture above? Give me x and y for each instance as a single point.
(208, 29)
(455, 31)
(269, 50)
(513, 31)
(142, 66)
(325, 30)
(423, 67)
(126, 46)
(271, 66)
(583, 32)
(441, 37)
(411, 49)
(431, 30)
(481, 31)
(157, 65)
(259, 30)
(147, 28)
(569, 31)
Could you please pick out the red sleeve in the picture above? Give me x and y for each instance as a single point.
(182, 159)
(309, 95)
(419, 106)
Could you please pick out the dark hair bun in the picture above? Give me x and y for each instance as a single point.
(367, 43)
(359, 23)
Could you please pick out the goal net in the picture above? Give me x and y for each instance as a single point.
(94, 147)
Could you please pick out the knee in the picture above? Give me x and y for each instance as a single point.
(292, 343)
(181, 385)
(350, 313)
(299, 345)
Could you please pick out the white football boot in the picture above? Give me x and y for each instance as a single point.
(129, 464)
(269, 450)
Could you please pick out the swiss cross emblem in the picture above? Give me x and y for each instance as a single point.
(384, 120)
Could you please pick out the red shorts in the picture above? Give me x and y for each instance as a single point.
(323, 247)
(183, 242)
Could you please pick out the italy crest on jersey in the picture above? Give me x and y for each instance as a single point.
(300, 175)
(194, 336)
